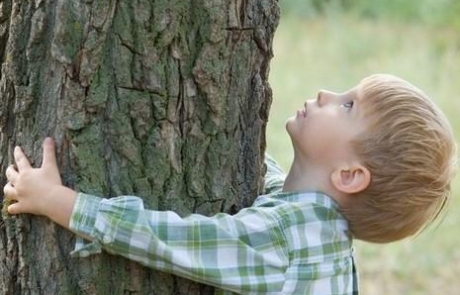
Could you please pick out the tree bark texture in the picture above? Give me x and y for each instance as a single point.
(164, 99)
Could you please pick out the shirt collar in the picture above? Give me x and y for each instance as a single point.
(299, 196)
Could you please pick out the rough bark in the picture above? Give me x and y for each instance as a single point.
(163, 99)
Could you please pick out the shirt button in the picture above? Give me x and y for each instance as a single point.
(107, 239)
(84, 253)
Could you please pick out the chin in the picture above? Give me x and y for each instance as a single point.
(289, 122)
(290, 127)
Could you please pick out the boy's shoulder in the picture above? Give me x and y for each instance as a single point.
(313, 226)
(304, 207)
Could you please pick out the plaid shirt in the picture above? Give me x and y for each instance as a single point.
(286, 243)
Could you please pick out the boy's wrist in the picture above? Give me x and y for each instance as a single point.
(58, 204)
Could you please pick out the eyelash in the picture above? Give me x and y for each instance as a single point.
(348, 105)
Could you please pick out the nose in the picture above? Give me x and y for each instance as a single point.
(324, 97)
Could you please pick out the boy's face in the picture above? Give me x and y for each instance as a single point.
(324, 128)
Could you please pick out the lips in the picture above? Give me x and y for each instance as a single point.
(302, 112)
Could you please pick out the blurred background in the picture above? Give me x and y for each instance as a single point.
(333, 44)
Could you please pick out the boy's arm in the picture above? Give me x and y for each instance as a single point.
(245, 253)
(274, 177)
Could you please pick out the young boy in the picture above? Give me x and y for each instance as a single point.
(374, 163)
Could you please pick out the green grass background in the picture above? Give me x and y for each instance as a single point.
(332, 45)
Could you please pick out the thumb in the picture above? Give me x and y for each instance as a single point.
(49, 154)
(15, 208)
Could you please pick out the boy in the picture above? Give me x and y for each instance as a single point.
(373, 163)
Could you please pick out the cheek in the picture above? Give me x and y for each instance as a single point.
(322, 137)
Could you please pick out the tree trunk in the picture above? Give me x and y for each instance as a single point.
(163, 99)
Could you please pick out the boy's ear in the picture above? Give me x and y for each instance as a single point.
(351, 179)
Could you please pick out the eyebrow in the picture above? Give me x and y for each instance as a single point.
(358, 99)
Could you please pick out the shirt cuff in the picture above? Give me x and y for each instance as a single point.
(82, 221)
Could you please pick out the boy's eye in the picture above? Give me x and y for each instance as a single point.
(348, 105)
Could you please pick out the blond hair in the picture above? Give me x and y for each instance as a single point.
(410, 151)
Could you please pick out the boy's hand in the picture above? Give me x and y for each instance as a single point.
(32, 188)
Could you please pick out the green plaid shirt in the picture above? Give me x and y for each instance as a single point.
(286, 243)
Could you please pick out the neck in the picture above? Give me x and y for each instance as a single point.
(304, 176)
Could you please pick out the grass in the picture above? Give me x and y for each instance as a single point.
(334, 52)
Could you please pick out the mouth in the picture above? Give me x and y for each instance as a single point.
(303, 112)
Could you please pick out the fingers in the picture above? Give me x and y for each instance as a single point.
(49, 154)
(11, 174)
(9, 191)
(21, 160)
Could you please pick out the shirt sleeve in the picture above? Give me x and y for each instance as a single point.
(244, 253)
(274, 178)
